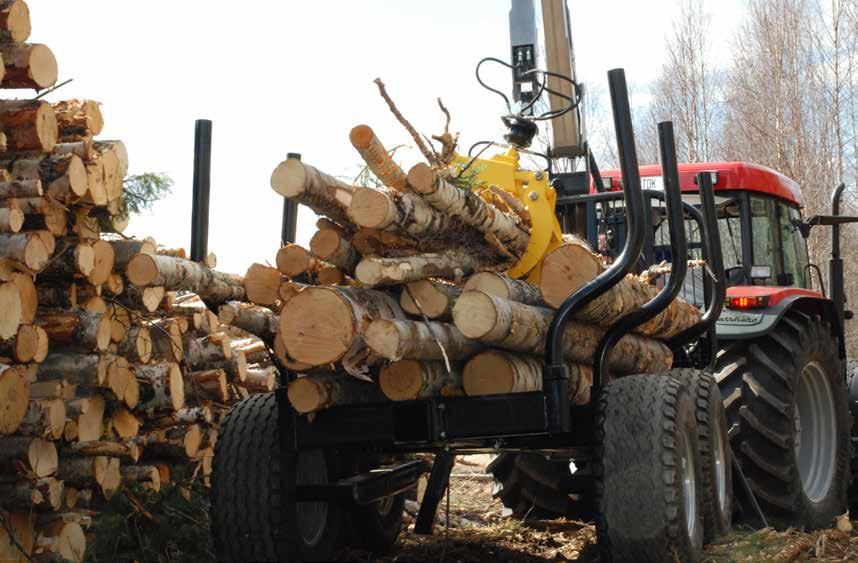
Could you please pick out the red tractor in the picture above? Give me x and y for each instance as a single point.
(777, 349)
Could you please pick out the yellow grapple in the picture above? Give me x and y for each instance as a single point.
(534, 192)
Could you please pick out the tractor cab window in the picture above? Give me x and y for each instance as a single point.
(794, 247)
(764, 229)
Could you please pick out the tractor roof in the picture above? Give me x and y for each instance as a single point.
(742, 176)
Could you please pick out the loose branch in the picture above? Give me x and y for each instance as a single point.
(410, 128)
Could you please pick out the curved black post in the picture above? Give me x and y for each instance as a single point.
(679, 248)
(835, 265)
(555, 377)
(714, 261)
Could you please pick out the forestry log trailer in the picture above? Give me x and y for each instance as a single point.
(652, 453)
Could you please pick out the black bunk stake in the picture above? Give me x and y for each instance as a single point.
(202, 189)
(439, 480)
(555, 377)
(290, 214)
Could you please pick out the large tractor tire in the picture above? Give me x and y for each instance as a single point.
(529, 485)
(251, 519)
(648, 471)
(786, 403)
(717, 469)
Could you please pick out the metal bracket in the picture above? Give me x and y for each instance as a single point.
(439, 480)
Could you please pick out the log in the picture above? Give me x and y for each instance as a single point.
(14, 398)
(320, 192)
(453, 265)
(146, 475)
(184, 416)
(120, 322)
(177, 442)
(28, 65)
(78, 369)
(24, 346)
(208, 385)
(45, 418)
(21, 188)
(206, 351)
(104, 260)
(254, 319)
(28, 249)
(322, 325)
(167, 340)
(176, 274)
(64, 541)
(11, 219)
(120, 379)
(14, 21)
(35, 454)
(137, 345)
(79, 117)
(21, 526)
(372, 242)
(417, 340)
(334, 248)
(126, 249)
(496, 372)
(288, 290)
(435, 299)
(523, 328)
(373, 208)
(407, 380)
(571, 265)
(261, 284)
(100, 471)
(42, 495)
(260, 380)
(314, 393)
(29, 125)
(11, 309)
(88, 415)
(293, 260)
(377, 158)
(63, 177)
(115, 284)
(124, 424)
(84, 150)
(469, 208)
(166, 383)
(28, 297)
(79, 328)
(53, 219)
(505, 287)
(331, 275)
(111, 154)
(286, 361)
(142, 298)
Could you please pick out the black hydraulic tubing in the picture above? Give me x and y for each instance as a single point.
(289, 225)
(835, 265)
(679, 267)
(555, 377)
(714, 261)
(201, 189)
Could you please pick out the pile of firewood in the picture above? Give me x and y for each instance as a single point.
(113, 369)
(403, 294)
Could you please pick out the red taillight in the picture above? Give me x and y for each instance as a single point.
(747, 302)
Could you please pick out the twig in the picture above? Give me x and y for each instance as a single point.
(411, 130)
(53, 88)
(448, 141)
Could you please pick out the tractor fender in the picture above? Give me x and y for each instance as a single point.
(753, 323)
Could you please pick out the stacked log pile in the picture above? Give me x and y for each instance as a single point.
(113, 368)
(403, 292)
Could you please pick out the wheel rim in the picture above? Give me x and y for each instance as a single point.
(312, 516)
(721, 465)
(815, 432)
(689, 484)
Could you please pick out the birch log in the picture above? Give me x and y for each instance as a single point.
(373, 208)
(573, 264)
(28, 297)
(82, 117)
(314, 393)
(453, 265)
(11, 219)
(28, 65)
(469, 208)
(435, 299)
(320, 192)
(45, 418)
(11, 309)
(407, 380)
(166, 384)
(377, 158)
(254, 319)
(497, 372)
(14, 398)
(398, 339)
(322, 325)
(176, 274)
(79, 328)
(37, 454)
(29, 125)
(523, 328)
(14, 21)
(126, 249)
(28, 249)
(24, 346)
(262, 284)
(334, 248)
(503, 286)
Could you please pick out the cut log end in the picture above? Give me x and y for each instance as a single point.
(142, 269)
(372, 209)
(475, 314)
(402, 380)
(317, 326)
(565, 269)
(421, 178)
(289, 178)
(493, 373)
(361, 136)
(14, 397)
(308, 395)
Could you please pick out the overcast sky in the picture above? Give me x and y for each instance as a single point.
(296, 76)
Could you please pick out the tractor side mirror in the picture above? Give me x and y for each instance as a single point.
(760, 273)
(735, 276)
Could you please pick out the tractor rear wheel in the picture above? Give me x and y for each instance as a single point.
(529, 485)
(251, 518)
(648, 471)
(785, 396)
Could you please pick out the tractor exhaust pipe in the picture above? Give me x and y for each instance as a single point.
(202, 190)
(835, 265)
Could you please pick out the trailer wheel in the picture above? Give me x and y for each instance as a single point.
(648, 486)
(251, 519)
(717, 469)
(793, 439)
(530, 485)
(377, 526)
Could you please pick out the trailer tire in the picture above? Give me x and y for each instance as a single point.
(793, 386)
(647, 469)
(717, 468)
(377, 526)
(528, 485)
(251, 518)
